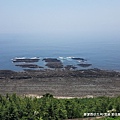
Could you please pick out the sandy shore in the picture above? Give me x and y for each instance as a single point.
(62, 84)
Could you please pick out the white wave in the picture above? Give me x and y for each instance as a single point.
(70, 57)
(61, 58)
(19, 57)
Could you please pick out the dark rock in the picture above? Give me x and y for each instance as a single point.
(82, 59)
(20, 77)
(54, 65)
(51, 60)
(68, 67)
(36, 59)
(7, 73)
(29, 66)
(84, 65)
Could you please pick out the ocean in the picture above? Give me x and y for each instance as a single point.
(101, 52)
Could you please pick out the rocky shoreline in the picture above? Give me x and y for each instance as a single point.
(46, 73)
(61, 82)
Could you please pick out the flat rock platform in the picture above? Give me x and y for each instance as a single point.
(61, 83)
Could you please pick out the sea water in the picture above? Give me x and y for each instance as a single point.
(101, 52)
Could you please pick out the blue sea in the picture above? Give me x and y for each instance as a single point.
(102, 52)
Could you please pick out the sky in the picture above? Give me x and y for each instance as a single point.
(59, 17)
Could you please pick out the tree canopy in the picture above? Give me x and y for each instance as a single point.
(13, 107)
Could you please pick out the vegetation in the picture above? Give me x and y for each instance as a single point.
(13, 107)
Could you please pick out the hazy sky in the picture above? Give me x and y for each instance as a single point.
(77, 17)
